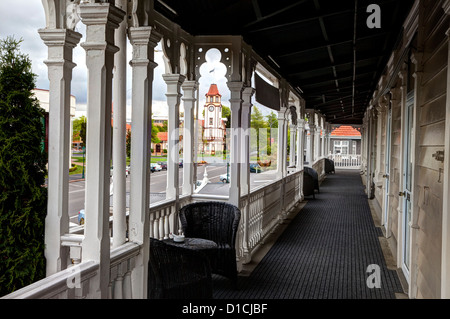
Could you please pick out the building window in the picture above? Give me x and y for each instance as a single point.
(341, 147)
(210, 121)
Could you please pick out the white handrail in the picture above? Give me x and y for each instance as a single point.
(67, 283)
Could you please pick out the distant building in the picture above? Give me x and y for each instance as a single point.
(213, 125)
(345, 140)
(158, 148)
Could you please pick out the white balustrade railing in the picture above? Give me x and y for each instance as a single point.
(262, 212)
(122, 264)
(164, 217)
(346, 161)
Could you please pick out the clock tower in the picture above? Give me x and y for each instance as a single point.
(213, 123)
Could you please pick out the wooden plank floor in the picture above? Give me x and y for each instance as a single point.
(324, 253)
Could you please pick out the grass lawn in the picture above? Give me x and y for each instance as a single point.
(79, 170)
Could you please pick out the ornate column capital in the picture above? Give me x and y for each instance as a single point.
(106, 18)
(189, 88)
(60, 37)
(247, 94)
(301, 124)
(236, 88)
(173, 82)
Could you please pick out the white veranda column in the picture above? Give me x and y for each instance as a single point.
(327, 140)
(235, 141)
(317, 143)
(300, 147)
(322, 141)
(144, 40)
(282, 143)
(119, 132)
(245, 142)
(189, 100)
(101, 19)
(173, 95)
(300, 141)
(307, 143)
(292, 153)
(60, 44)
(312, 142)
(245, 164)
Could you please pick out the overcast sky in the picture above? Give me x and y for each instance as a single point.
(23, 18)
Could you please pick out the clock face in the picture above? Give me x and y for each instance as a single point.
(211, 108)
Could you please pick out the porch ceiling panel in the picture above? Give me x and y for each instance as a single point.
(312, 41)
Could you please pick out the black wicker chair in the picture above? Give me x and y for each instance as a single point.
(216, 221)
(313, 173)
(308, 186)
(329, 166)
(177, 273)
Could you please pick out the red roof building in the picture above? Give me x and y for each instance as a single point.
(345, 131)
(162, 136)
(213, 91)
(345, 140)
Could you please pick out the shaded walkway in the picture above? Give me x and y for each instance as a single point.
(324, 252)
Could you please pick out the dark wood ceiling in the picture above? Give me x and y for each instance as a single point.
(323, 47)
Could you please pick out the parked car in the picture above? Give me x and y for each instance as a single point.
(224, 179)
(127, 171)
(155, 167)
(163, 165)
(81, 217)
(181, 163)
(255, 168)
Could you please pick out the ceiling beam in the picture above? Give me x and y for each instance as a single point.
(274, 13)
(332, 44)
(319, 80)
(293, 23)
(351, 62)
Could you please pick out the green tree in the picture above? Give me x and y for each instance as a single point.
(23, 196)
(128, 143)
(272, 123)
(79, 129)
(162, 128)
(272, 120)
(226, 113)
(155, 132)
(257, 122)
(83, 130)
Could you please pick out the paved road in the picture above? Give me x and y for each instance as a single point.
(158, 182)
